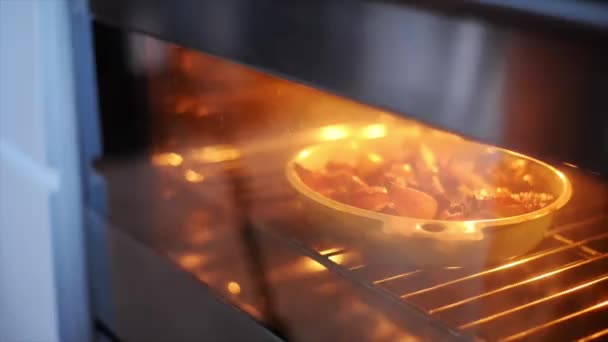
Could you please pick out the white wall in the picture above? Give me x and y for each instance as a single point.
(42, 278)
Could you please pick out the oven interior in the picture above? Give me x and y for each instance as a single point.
(194, 162)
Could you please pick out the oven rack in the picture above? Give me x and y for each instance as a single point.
(542, 295)
(559, 290)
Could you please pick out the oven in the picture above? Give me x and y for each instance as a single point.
(211, 209)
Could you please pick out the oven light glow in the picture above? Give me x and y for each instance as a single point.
(338, 258)
(216, 154)
(483, 193)
(412, 130)
(166, 159)
(374, 131)
(330, 250)
(428, 157)
(190, 261)
(234, 287)
(313, 266)
(519, 163)
(375, 157)
(469, 228)
(334, 132)
(452, 268)
(193, 176)
(304, 154)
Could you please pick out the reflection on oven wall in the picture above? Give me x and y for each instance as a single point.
(545, 81)
(432, 50)
(230, 24)
(502, 86)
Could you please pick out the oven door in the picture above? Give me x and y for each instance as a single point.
(228, 203)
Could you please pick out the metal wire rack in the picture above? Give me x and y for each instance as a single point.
(558, 291)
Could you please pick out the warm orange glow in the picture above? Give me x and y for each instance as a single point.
(330, 250)
(313, 266)
(398, 276)
(327, 288)
(532, 257)
(594, 336)
(193, 176)
(483, 192)
(216, 154)
(520, 283)
(250, 309)
(304, 154)
(584, 248)
(201, 237)
(536, 302)
(204, 276)
(357, 267)
(358, 308)
(334, 132)
(338, 258)
(469, 228)
(234, 288)
(375, 157)
(190, 261)
(302, 267)
(186, 62)
(557, 321)
(167, 159)
(428, 156)
(202, 111)
(383, 329)
(183, 105)
(374, 131)
(577, 224)
(415, 130)
(519, 163)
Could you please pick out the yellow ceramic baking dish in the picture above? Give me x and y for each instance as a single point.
(420, 242)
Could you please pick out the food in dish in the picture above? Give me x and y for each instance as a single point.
(417, 184)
